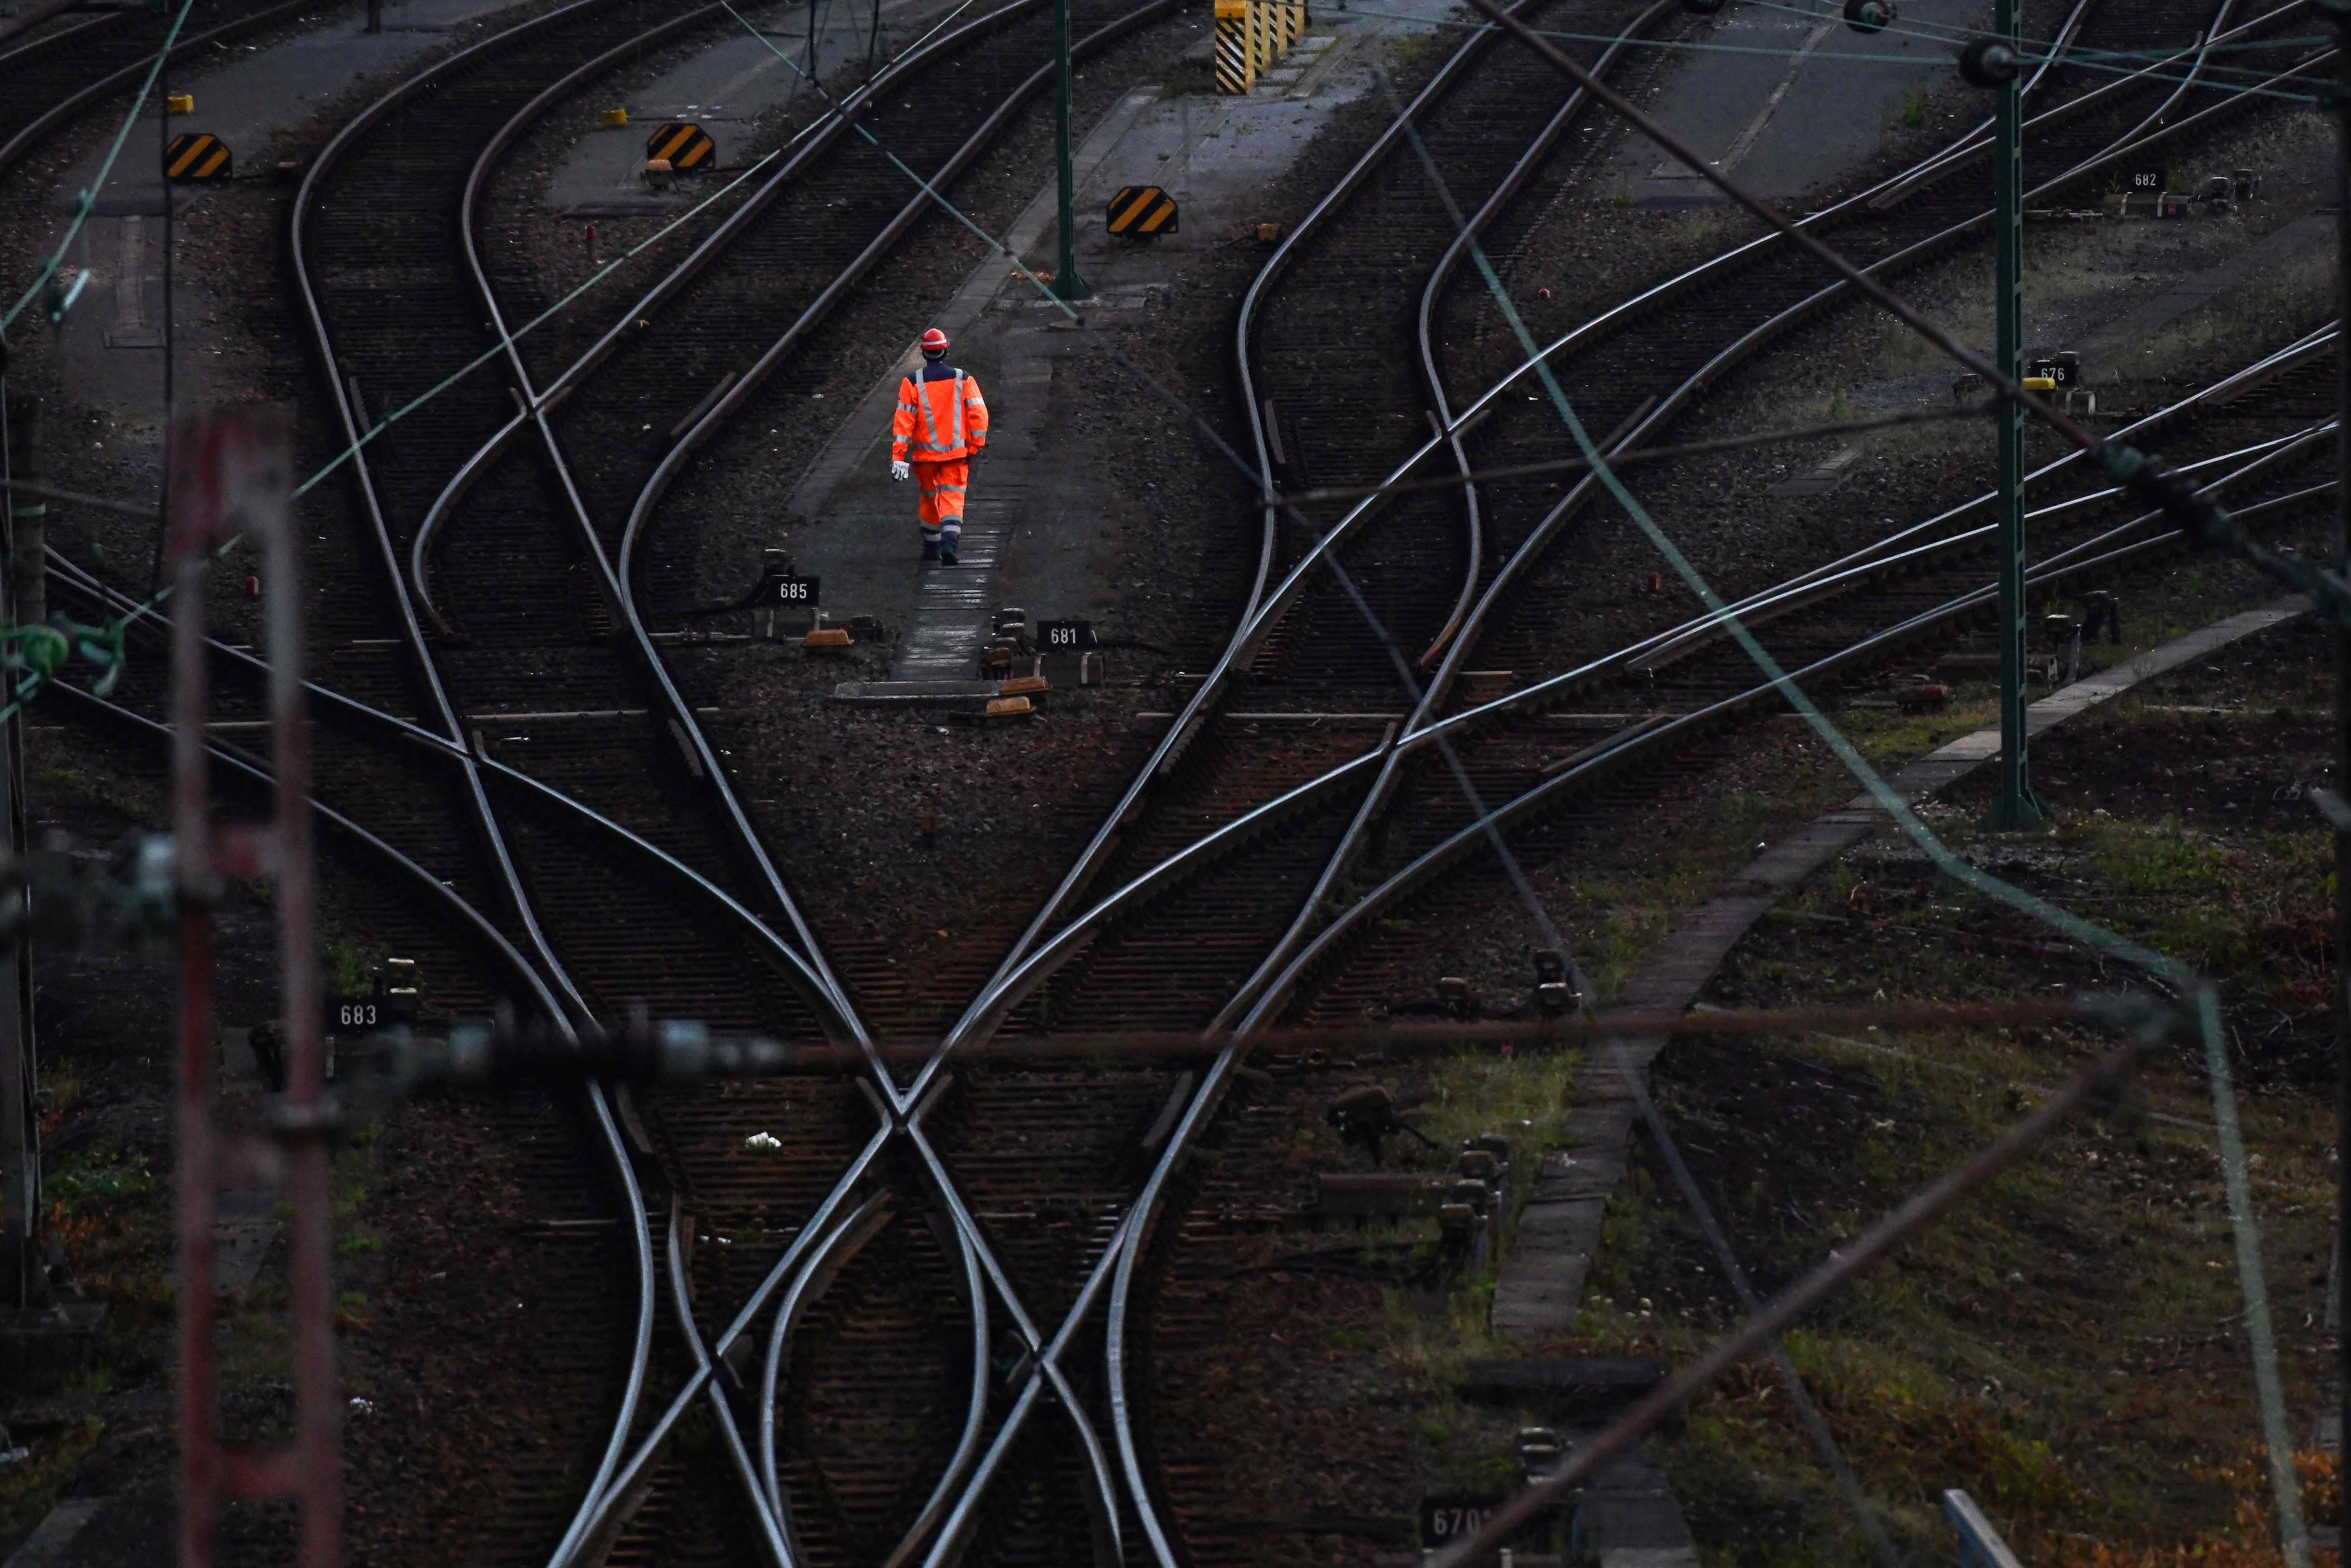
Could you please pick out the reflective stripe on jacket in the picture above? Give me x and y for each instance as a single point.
(940, 416)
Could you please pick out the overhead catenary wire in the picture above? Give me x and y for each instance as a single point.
(2268, 1384)
(88, 202)
(2110, 62)
(1808, 1414)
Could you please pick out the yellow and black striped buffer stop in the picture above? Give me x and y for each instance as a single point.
(1142, 210)
(685, 147)
(197, 155)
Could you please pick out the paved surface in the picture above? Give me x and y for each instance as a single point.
(47, 1545)
(1787, 98)
(263, 92)
(724, 87)
(1540, 1289)
(111, 343)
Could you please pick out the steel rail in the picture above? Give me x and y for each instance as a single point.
(842, 1242)
(1083, 930)
(1256, 608)
(620, 584)
(1538, 152)
(817, 138)
(1256, 616)
(1276, 988)
(459, 910)
(467, 916)
(1275, 993)
(665, 471)
(2229, 385)
(1262, 608)
(1501, 818)
(1748, 344)
(788, 960)
(608, 1462)
(1126, 901)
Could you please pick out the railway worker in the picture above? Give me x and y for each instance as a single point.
(941, 425)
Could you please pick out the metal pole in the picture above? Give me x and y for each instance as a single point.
(27, 1281)
(2342, 639)
(2008, 310)
(317, 1445)
(2015, 808)
(1067, 284)
(225, 471)
(194, 500)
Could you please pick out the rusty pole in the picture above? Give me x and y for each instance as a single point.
(196, 523)
(232, 472)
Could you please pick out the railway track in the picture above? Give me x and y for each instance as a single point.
(902, 1425)
(565, 486)
(1134, 942)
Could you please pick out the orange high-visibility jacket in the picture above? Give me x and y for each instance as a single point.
(940, 417)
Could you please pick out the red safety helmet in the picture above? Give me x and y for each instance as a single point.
(934, 341)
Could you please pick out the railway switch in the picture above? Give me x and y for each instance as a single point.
(1459, 997)
(1364, 1118)
(1540, 1451)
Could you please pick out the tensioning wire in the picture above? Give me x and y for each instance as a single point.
(2252, 1280)
(1946, 33)
(2120, 68)
(105, 172)
(1840, 1468)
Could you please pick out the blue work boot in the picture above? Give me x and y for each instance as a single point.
(948, 537)
(930, 550)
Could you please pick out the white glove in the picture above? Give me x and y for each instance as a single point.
(901, 469)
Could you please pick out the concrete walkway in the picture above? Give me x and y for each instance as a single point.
(1030, 533)
(723, 87)
(1541, 1291)
(111, 343)
(1787, 98)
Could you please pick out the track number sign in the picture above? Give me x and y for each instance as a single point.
(1446, 1517)
(789, 591)
(2146, 182)
(356, 1015)
(1065, 636)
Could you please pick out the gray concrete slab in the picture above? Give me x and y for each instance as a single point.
(111, 341)
(1540, 1291)
(1786, 99)
(725, 86)
(47, 1545)
(260, 91)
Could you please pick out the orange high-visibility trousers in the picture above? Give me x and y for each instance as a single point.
(942, 485)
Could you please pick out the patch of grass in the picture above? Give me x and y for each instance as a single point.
(1913, 108)
(2067, 1345)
